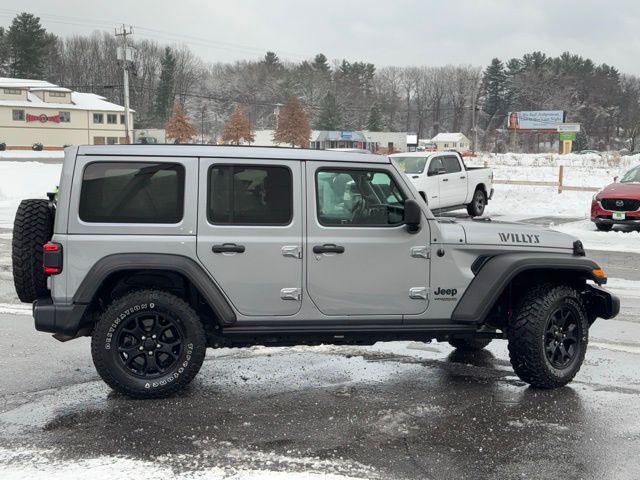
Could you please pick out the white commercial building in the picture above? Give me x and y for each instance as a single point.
(35, 111)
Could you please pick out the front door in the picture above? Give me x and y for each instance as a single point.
(250, 232)
(360, 258)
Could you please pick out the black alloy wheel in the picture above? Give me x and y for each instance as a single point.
(149, 344)
(562, 337)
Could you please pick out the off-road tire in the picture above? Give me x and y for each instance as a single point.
(137, 304)
(604, 227)
(527, 333)
(478, 203)
(469, 344)
(32, 228)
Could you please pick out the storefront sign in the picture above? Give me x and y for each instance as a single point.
(42, 118)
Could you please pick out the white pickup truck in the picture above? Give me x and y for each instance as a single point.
(445, 182)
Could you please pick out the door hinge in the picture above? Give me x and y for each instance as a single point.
(291, 294)
(421, 252)
(418, 293)
(292, 251)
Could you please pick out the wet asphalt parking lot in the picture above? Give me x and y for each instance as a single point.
(402, 410)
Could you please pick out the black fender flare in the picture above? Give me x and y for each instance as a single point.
(496, 273)
(193, 271)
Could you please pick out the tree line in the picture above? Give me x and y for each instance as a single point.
(335, 95)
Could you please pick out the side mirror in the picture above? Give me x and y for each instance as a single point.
(412, 216)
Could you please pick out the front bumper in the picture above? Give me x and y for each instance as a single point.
(62, 319)
(600, 303)
(605, 217)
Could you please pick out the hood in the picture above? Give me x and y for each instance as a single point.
(491, 232)
(620, 190)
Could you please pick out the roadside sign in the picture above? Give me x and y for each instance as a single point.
(569, 127)
(568, 136)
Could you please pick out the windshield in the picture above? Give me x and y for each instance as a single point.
(632, 176)
(411, 164)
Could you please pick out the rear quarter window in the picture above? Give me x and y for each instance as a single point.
(132, 192)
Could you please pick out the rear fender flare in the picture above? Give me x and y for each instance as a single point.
(115, 263)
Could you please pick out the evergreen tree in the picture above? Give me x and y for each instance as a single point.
(581, 142)
(293, 125)
(178, 126)
(27, 47)
(494, 85)
(237, 128)
(4, 52)
(374, 123)
(164, 96)
(272, 61)
(329, 118)
(320, 64)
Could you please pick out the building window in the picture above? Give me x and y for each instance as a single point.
(98, 118)
(112, 118)
(18, 115)
(115, 192)
(446, 145)
(65, 117)
(112, 140)
(98, 140)
(12, 91)
(122, 119)
(57, 94)
(250, 195)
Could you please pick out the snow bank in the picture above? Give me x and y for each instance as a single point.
(20, 180)
(32, 155)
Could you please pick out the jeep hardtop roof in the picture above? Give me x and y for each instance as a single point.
(229, 151)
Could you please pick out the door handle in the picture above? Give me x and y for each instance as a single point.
(445, 179)
(328, 248)
(463, 177)
(415, 176)
(228, 248)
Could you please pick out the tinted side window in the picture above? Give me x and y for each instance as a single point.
(250, 195)
(358, 198)
(435, 166)
(127, 192)
(451, 164)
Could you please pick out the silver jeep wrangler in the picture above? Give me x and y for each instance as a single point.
(159, 251)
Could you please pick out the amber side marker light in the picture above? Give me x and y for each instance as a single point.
(599, 273)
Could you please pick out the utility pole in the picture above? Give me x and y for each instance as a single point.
(124, 58)
(474, 116)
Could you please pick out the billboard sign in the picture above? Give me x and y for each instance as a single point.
(535, 120)
(568, 136)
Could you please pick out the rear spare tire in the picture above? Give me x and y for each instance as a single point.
(32, 228)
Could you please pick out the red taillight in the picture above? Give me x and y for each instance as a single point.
(52, 258)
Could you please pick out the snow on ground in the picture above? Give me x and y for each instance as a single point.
(20, 180)
(28, 464)
(32, 155)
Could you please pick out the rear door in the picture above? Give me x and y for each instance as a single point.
(250, 232)
(453, 189)
(360, 258)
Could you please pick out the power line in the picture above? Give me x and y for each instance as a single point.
(153, 33)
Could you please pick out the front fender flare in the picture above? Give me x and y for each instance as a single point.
(496, 273)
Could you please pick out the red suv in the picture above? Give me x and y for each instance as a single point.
(618, 203)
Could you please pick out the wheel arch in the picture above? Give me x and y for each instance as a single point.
(498, 274)
(119, 273)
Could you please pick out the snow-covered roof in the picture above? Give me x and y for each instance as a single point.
(79, 101)
(449, 137)
(6, 82)
(49, 89)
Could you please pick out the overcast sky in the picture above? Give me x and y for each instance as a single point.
(391, 32)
